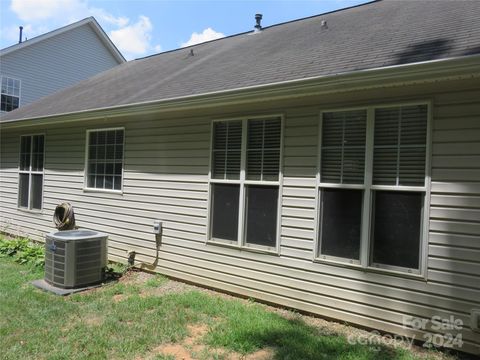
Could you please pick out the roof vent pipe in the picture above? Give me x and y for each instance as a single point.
(21, 32)
(324, 24)
(258, 19)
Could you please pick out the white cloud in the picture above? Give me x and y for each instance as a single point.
(36, 10)
(207, 35)
(101, 14)
(134, 39)
(62, 10)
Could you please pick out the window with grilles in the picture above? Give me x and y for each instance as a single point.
(30, 182)
(105, 159)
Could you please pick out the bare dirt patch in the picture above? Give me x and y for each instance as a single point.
(188, 347)
(135, 276)
(196, 332)
(191, 348)
(178, 351)
(262, 354)
(118, 297)
(169, 287)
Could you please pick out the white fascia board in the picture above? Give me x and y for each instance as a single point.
(400, 75)
(45, 36)
(106, 41)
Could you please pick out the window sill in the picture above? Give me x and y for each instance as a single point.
(372, 269)
(241, 248)
(108, 191)
(30, 211)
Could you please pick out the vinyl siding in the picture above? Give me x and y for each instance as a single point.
(57, 62)
(166, 178)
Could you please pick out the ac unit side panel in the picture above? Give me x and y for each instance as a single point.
(70, 264)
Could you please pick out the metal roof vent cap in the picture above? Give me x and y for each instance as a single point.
(258, 19)
(323, 24)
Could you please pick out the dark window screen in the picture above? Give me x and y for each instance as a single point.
(261, 220)
(341, 218)
(37, 152)
(25, 152)
(23, 190)
(36, 196)
(396, 228)
(225, 211)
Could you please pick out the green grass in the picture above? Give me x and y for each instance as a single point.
(125, 321)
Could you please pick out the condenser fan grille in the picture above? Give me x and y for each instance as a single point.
(75, 261)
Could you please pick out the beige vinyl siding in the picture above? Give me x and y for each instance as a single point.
(454, 248)
(298, 198)
(166, 178)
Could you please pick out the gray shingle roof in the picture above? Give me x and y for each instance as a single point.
(373, 35)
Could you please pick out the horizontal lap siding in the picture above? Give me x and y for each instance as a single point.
(298, 198)
(454, 242)
(57, 62)
(174, 189)
(166, 178)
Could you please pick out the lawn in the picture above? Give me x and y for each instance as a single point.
(146, 316)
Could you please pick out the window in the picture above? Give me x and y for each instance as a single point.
(244, 182)
(105, 159)
(30, 183)
(372, 186)
(10, 94)
(342, 166)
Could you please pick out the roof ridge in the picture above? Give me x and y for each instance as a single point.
(252, 31)
(323, 14)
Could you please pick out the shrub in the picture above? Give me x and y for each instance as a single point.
(23, 251)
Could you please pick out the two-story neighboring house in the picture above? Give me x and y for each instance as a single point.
(47, 63)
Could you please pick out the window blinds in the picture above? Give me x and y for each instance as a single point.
(343, 147)
(263, 149)
(400, 145)
(227, 147)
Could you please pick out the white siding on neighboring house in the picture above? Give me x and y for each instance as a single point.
(57, 62)
(166, 178)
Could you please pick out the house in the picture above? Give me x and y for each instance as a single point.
(47, 63)
(329, 164)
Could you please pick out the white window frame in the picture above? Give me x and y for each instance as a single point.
(30, 172)
(243, 183)
(366, 241)
(85, 172)
(19, 90)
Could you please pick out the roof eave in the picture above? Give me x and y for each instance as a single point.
(397, 75)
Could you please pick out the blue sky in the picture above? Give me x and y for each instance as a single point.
(143, 27)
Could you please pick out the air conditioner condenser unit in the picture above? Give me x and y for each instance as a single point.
(75, 258)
